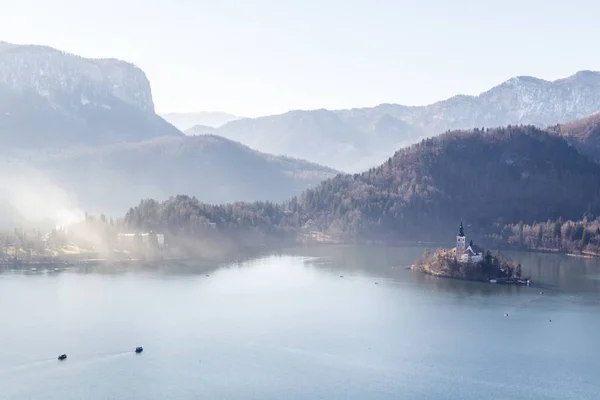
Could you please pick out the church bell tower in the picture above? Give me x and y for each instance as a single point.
(460, 242)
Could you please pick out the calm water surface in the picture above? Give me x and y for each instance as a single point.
(287, 326)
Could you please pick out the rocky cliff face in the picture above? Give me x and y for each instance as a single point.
(60, 76)
(52, 98)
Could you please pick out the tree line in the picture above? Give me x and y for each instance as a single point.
(560, 235)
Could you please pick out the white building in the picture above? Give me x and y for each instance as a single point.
(473, 253)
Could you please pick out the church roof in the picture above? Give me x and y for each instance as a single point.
(474, 249)
(477, 249)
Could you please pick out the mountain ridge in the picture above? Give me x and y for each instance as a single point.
(354, 143)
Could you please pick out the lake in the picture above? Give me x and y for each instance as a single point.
(288, 326)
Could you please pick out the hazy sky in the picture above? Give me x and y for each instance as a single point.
(266, 56)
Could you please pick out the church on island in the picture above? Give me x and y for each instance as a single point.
(473, 253)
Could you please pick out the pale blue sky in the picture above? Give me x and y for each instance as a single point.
(268, 56)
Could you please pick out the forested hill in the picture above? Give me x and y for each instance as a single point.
(486, 178)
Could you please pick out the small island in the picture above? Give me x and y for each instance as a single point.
(470, 263)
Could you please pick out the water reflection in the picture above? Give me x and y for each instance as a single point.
(385, 264)
(562, 272)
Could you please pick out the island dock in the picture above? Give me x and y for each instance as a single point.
(511, 281)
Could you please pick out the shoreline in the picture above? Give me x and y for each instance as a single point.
(552, 251)
(492, 281)
(432, 244)
(95, 258)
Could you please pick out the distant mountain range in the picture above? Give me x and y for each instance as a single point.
(77, 132)
(185, 121)
(83, 133)
(356, 139)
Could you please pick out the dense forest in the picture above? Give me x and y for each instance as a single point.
(197, 227)
(186, 215)
(488, 178)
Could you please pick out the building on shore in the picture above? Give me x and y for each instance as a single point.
(147, 239)
(472, 253)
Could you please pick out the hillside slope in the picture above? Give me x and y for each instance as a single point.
(583, 133)
(214, 169)
(485, 178)
(349, 144)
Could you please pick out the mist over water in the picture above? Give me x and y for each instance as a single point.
(304, 323)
